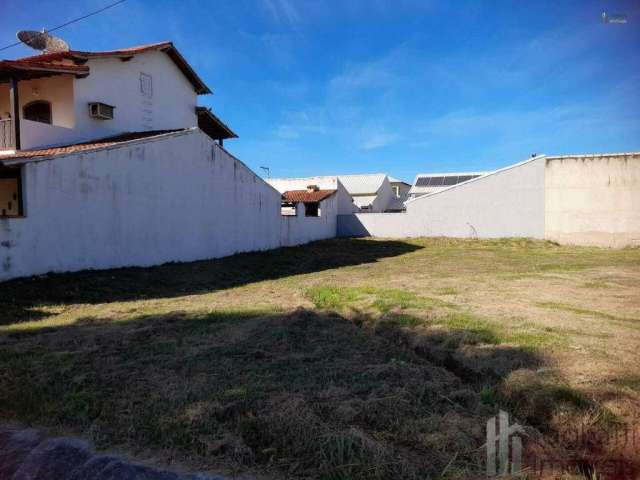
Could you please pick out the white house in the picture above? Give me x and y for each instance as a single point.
(400, 192)
(73, 96)
(370, 192)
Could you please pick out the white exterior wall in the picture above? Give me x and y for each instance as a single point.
(176, 198)
(296, 230)
(114, 82)
(117, 83)
(384, 198)
(403, 190)
(506, 203)
(593, 199)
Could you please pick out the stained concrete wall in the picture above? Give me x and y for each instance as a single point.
(173, 198)
(506, 203)
(593, 199)
(299, 229)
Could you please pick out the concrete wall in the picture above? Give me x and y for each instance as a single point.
(299, 229)
(593, 199)
(175, 198)
(114, 82)
(384, 225)
(506, 203)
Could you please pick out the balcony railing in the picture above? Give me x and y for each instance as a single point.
(6, 134)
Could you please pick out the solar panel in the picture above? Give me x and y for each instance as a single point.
(452, 180)
(443, 181)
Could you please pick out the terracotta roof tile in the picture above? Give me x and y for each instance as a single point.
(41, 67)
(305, 196)
(79, 147)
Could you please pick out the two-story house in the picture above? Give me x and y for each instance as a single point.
(71, 96)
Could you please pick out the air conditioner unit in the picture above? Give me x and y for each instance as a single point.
(101, 111)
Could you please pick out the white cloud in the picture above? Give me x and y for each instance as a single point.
(377, 140)
(284, 12)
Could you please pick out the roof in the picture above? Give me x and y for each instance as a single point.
(305, 196)
(363, 200)
(37, 69)
(212, 125)
(22, 156)
(80, 57)
(397, 180)
(363, 184)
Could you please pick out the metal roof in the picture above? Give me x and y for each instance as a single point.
(397, 180)
(363, 184)
(363, 200)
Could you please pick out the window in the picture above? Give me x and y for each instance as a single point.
(288, 209)
(38, 111)
(146, 85)
(312, 209)
(10, 193)
(396, 190)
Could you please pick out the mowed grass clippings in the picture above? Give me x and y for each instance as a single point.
(340, 359)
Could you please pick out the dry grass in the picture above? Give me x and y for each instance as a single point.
(339, 360)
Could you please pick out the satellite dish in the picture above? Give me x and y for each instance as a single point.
(42, 41)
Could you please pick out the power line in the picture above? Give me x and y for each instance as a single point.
(71, 21)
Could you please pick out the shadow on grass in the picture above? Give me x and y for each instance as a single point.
(306, 394)
(22, 298)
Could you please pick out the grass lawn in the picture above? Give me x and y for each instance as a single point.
(343, 359)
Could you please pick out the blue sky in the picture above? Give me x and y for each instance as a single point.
(398, 86)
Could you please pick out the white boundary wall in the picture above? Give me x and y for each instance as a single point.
(593, 199)
(505, 203)
(299, 229)
(178, 197)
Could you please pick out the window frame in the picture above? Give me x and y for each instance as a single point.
(15, 173)
(38, 102)
(307, 205)
(289, 205)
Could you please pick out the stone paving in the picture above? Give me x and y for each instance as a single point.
(25, 454)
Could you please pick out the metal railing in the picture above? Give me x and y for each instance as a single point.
(6, 134)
